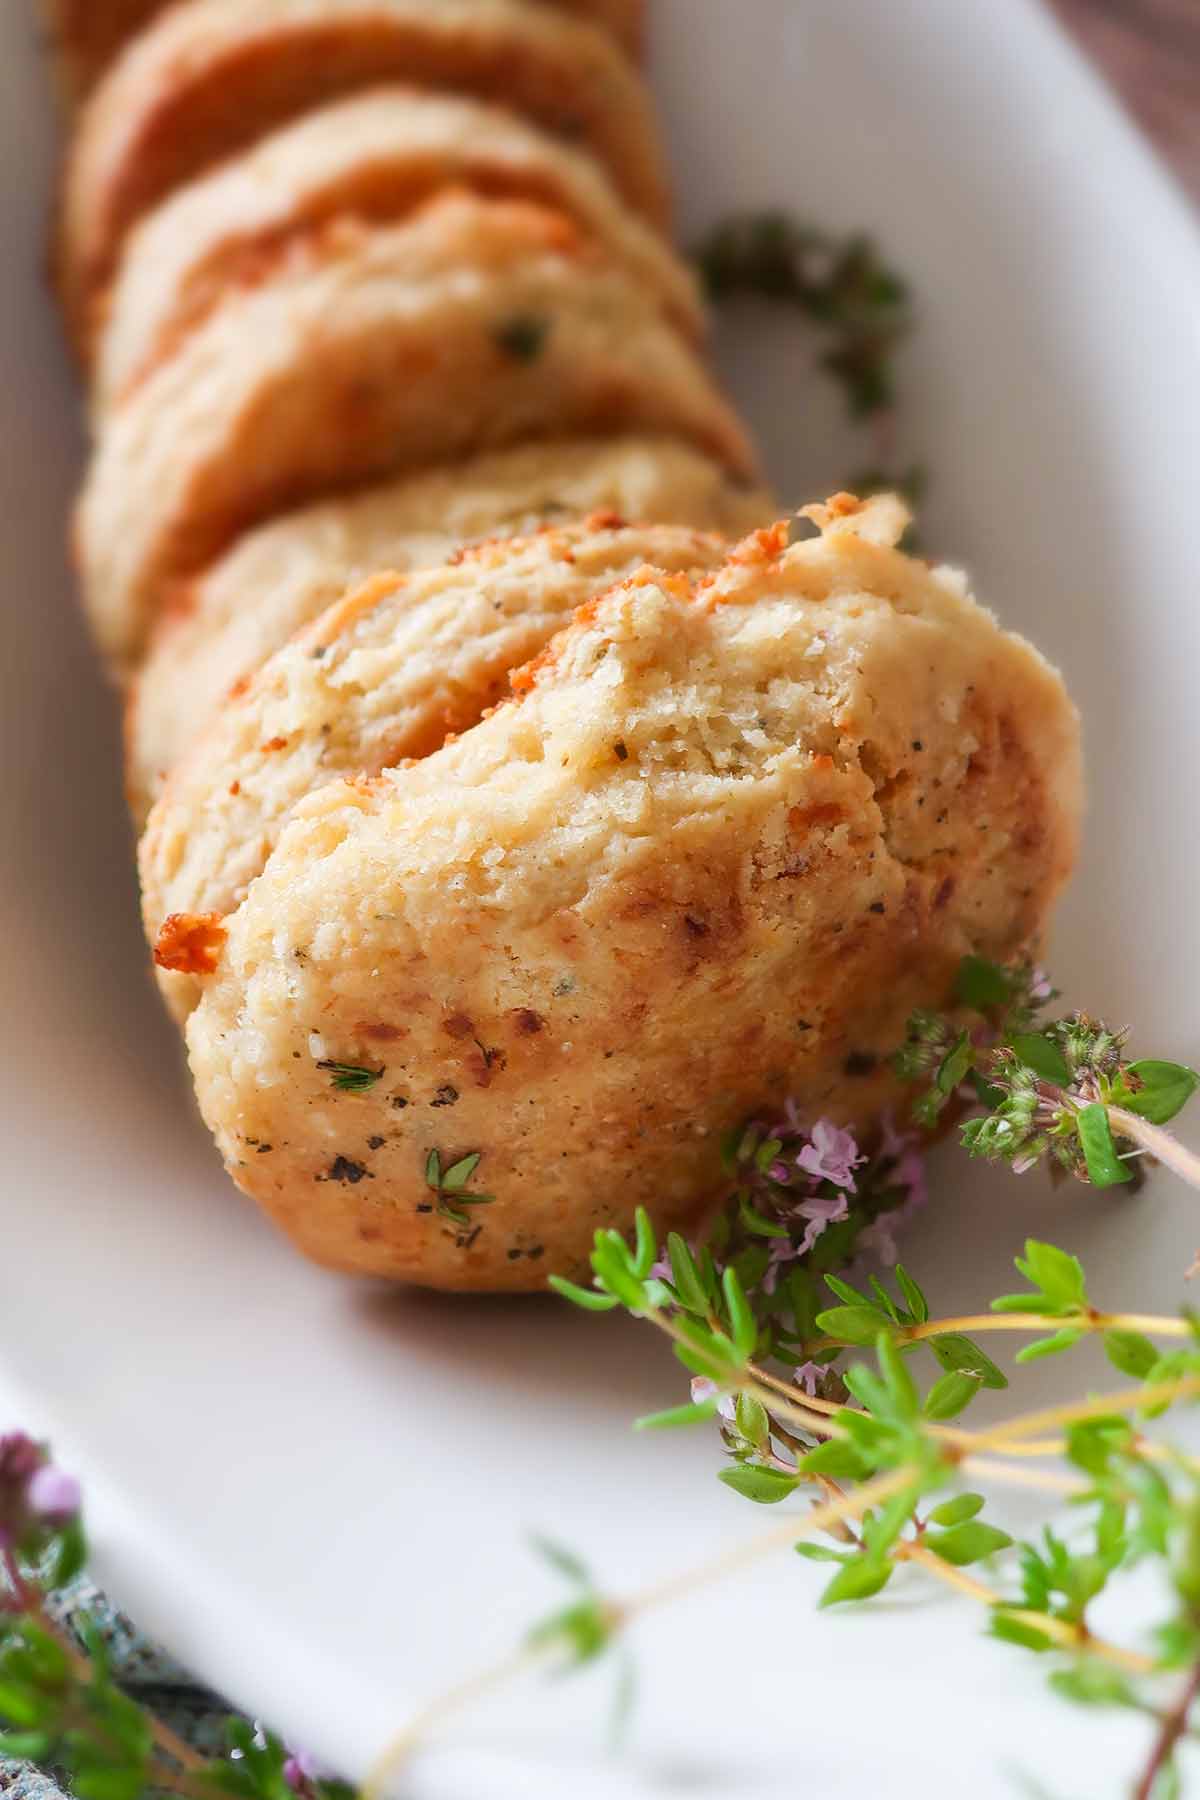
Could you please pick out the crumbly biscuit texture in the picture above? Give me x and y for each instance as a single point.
(221, 627)
(728, 832)
(385, 676)
(475, 324)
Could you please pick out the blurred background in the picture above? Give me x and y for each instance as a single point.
(1150, 51)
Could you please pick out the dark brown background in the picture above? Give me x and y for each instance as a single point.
(1150, 52)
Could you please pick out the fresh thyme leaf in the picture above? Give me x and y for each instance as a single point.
(981, 984)
(841, 286)
(351, 1078)
(954, 1351)
(1104, 1166)
(1165, 1090)
(1043, 1056)
(766, 1486)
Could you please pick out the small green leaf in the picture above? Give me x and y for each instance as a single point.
(955, 1351)
(585, 1297)
(1049, 1346)
(743, 1325)
(837, 1458)
(949, 1395)
(457, 1177)
(583, 1630)
(754, 1221)
(1130, 1352)
(853, 1324)
(1043, 1056)
(766, 1486)
(1094, 1683)
(981, 984)
(69, 1555)
(952, 1071)
(1104, 1166)
(906, 1401)
(568, 1564)
(858, 1579)
(750, 1417)
(433, 1171)
(1017, 1631)
(685, 1276)
(351, 1078)
(958, 1510)
(645, 1246)
(19, 1705)
(1059, 1274)
(914, 1297)
(1166, 1089)
(614, 1270)
(30, 1746)
(819, 1552)
(851, 1295)
(968, 1543)
(691, 1414)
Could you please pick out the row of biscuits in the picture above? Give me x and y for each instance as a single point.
(484, 830)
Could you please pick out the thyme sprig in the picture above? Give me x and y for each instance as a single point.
(772, 1334)
(1060, 1091)
(842, 285)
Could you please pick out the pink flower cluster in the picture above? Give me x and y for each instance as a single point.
(33, 1492)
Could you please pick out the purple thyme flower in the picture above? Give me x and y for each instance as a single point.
(820, 1212)
(1040, 985)
(21, 1459)
(704, 1389)
(53, 1495)
(831, 1155)
(808, 1376)
(300, 1769)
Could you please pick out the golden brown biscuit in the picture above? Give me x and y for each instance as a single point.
(476, 324)
(87, 34)
(376, 156)
(226, 623)
(731, 833)
(212, 76)
(386, 674)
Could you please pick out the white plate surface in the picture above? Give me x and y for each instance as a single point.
(318, 1493)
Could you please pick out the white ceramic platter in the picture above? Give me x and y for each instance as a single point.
(318, 1493)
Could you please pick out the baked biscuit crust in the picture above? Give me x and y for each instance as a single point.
(212, 76)
(476, 324)
(221, 627)
(378, 157)
(88, 34)
(386, 675)
(734, 830)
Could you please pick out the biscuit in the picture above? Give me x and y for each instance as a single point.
(376, 156)
(226, 622)
(87, 34)
(387, 674)
(729, 832)
(212, 76)
(476, 324)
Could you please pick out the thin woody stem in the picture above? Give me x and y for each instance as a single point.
(1159, 1144)
(820, 1518)
(1060, 1631)
(1082, 1321)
